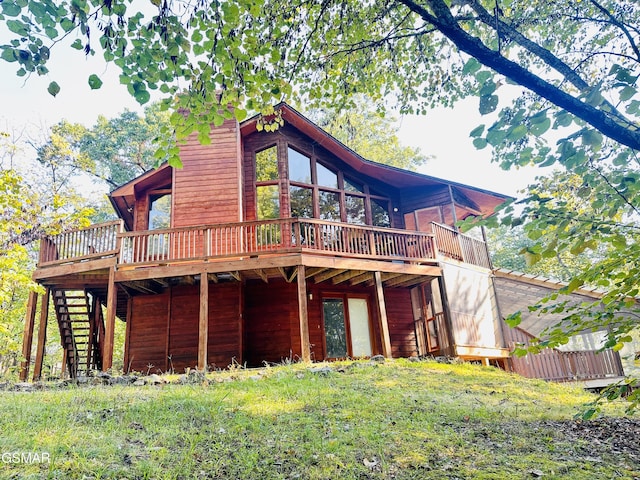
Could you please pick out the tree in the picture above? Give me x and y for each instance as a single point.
(578, 61)
(370, 133)
(32, 204)
(112, 152)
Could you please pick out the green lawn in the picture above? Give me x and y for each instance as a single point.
(395, 420)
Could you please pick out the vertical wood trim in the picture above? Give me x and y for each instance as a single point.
(127, 336)
(241, 328)
(454, 215)
(109, 331)
(203, 326)
(451, 348)
(27, 336)
(168, 339)
(42, 334)
(303, 315)
(382, 315)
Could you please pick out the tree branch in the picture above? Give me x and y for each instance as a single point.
(620, 25)
(446, 24)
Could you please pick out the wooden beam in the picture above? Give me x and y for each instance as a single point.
(262, 274)
(212, 277)
(326, 275)
(310, 272)
(343, 277)
(203, 323)
(303, 316)
(382, 315)
(364, 277)
(399, 280)
(288, 273)
(42, 334)
(110, 325)
(236, 275)
(27, 336)
(412, 281)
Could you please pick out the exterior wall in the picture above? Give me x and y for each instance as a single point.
(271, 312)
(207, 189)
(472, 305)
(401, 324)
(163, 329)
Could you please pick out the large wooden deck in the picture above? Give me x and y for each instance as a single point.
(98, 247)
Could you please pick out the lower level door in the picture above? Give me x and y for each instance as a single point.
(347, 331)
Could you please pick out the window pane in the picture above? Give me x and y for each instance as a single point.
(352, 186)
(355, 209)
(267, 164)
(301, 203)
(380, 213)
(326, 178)
(359, 327)
(299, 167)
(160, 213)
(330, 206)
(334, 328)
(268, 198)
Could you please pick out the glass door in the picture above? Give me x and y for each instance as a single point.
(347, 330)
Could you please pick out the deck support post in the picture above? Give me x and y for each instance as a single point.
(109, 329)
(305, 347)
(27, 337)
(203, 325)
(42, 335)
(382, 315)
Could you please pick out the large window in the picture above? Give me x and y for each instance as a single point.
(315, 190)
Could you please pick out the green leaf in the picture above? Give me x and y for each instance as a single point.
(488, 104)
(77, 44)
(479, 143)
(10, 9)
(53, 89)
(517, 132)
(8, 55)
(626, 93)
(471, 67)
(541, 127)
(18, 27)
(94, 82)
(476, 132)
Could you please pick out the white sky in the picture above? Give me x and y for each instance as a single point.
(443, 133)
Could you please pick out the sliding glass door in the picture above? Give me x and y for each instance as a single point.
(346, 326)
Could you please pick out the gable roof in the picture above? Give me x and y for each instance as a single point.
(486, 200)
(516, 291)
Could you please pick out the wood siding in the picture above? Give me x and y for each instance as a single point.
(207, 189)
(271, 311)
(170, 342)
(147, 333)
(400, 318)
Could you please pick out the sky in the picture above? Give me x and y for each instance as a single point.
(443, 133)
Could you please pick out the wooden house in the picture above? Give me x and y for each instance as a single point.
(269, 246)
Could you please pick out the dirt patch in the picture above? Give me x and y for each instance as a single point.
(617, 436)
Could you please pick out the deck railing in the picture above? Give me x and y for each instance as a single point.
(455, 245)
(277, 236)
(253, 238)
(570, 366)
(92, 242)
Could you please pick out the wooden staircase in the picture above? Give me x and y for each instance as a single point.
(81, 330)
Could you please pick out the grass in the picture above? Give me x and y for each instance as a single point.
(394, 420)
